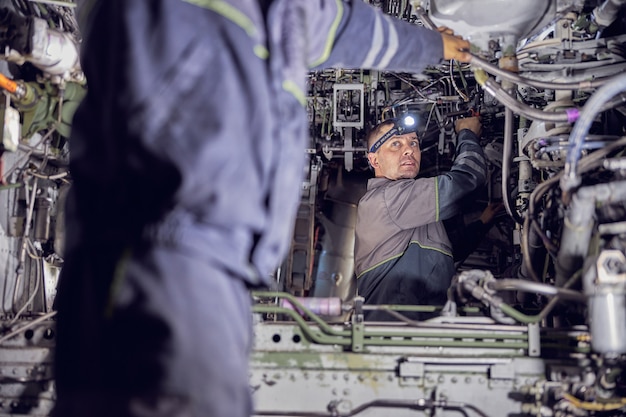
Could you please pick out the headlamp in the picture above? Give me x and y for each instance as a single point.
(407, 123)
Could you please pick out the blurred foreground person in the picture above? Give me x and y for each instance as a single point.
(187, 160)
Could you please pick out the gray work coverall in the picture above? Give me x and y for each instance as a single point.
(402, 252)
(187, 157)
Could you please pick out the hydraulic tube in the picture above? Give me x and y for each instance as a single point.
(579, 223)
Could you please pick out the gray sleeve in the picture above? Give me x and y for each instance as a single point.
(361, 36)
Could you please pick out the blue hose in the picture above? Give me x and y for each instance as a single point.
(577, 138)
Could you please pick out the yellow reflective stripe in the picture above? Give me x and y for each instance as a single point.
(400, 254)
(261, 51)
(293, 88)
(229, 12)
(379, 264)
(431, 248)
(118, 278)
(331, 35)
(436, 199)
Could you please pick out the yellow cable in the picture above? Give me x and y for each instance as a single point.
(595, 406)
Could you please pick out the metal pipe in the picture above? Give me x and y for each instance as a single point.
(493, 88)
(528, 286)
(506, 165)
(492, 69)
(423, 16)
(578, 225)
(419, 404)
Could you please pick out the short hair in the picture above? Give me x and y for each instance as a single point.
(377, 132)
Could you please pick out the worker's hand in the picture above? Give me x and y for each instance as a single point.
(471, 123)
(445, 29)
(454, 47)
(490, 212)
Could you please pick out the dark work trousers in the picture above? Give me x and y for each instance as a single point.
(155, 333)
(419, 277)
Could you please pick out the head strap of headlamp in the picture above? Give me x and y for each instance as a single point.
(384, 138)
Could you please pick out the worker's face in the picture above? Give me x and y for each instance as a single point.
(397, 158)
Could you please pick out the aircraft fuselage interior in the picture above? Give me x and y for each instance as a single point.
(535, 323)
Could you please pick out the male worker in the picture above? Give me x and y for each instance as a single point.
(187, 159)
(402, 252)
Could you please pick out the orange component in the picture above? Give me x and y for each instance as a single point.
(8, 84)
